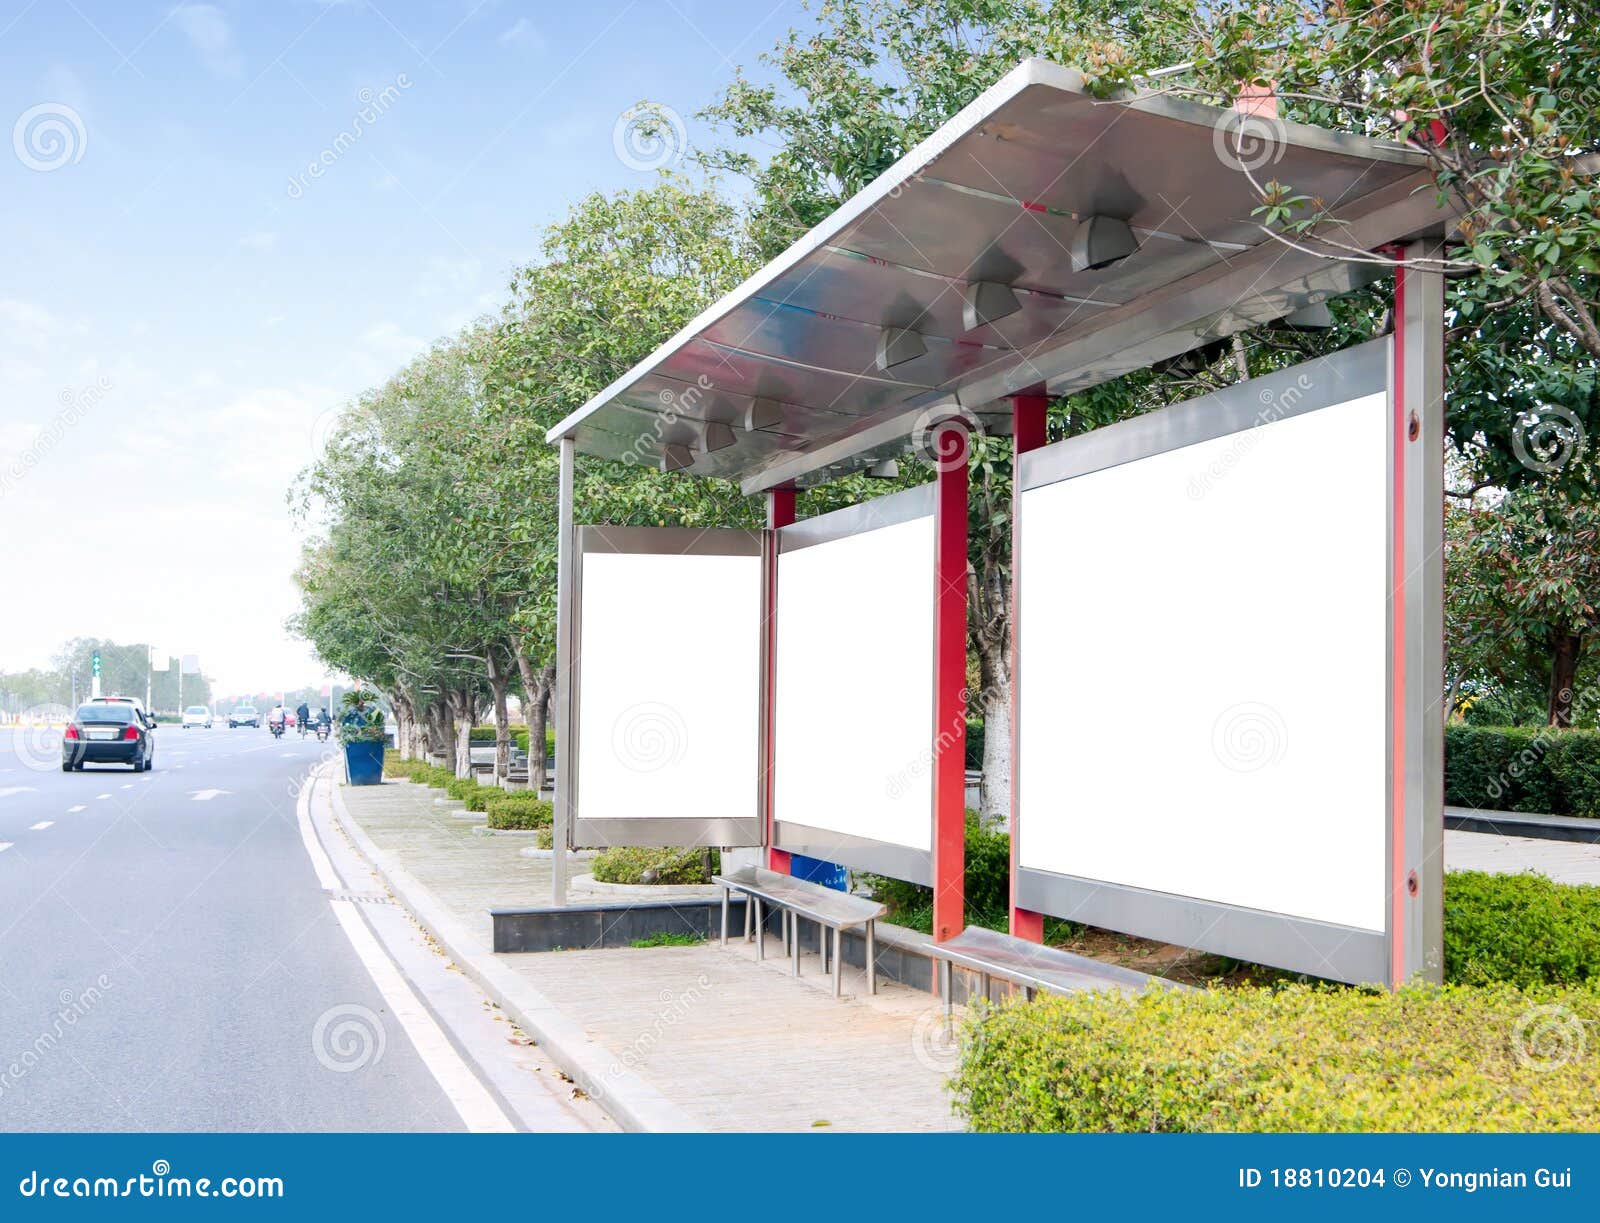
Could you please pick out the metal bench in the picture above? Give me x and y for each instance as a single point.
(796, 899)
(1031, 966)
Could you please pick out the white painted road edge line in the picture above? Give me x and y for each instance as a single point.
(477, 1108)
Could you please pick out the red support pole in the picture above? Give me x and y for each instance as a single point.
(1028, 415)
(950, 683)
(780, 513)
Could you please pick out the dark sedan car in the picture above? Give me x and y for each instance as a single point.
(108, 732)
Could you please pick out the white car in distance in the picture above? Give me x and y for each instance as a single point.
(196, 715)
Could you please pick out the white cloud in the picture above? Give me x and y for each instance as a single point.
(523, 34)
(206, 27)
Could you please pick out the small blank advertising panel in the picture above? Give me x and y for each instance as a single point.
(853, 690)
(1203, 665)
(668, 693)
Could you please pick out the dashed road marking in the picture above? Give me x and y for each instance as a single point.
(75, 810)
(4, 845)
(8, 791)
(102, 796)
(40, 826)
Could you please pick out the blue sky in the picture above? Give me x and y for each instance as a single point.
(183, 304)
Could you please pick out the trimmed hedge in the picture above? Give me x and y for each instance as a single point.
(1302, 1058)
(630, 864)
(1520, 929)
(1533, 769)
(519, 811)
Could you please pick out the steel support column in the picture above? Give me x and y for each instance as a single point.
(780, 513)
(566, 663)
(1416, 608)
(950, 681)
(1028, 413)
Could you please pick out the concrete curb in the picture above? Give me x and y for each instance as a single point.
(633, 1103)
(645, 891)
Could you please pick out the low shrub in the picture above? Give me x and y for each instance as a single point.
(521, 811)
(988, 884)
(1520, 929)
(477, 798)
(485, 734)
(1302, 1058)
(460, 787)
(1532, 769)
(631, 864)
(670, 938)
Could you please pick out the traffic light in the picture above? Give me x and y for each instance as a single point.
(94, 664)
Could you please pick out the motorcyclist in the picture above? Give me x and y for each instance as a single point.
(276, 719)
(324, 722)
(302, 718)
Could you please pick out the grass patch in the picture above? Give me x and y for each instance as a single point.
(669, 938)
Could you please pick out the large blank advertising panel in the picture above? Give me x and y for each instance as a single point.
(853, 686)
(668, 694)
(1203, 665)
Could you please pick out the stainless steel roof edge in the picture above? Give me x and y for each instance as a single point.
(1033, 71)
(1007, 87)
(1197, 299)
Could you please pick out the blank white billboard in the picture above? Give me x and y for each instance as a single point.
(669, 700)
(1203, 683)
(854, 686)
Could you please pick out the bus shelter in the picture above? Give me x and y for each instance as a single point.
(1189, 587)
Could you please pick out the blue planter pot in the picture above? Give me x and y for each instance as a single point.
(363, 762)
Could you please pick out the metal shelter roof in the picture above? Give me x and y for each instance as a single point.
(974, 268)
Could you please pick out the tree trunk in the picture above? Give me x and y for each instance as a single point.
(538, 685)
(499, 681)
(1567, 650)
(994, 794)
(536, 768)
(462, 710)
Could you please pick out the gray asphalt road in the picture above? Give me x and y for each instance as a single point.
(167, 954)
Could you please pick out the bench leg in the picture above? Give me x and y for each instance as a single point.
(749, 912)
(947, 993)
(724, 917)
(822, 945)
(985, 980)
(794, 941)
(838, 957)
(872, 958)
(761, 931)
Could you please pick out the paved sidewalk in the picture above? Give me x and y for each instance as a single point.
(1562, 861)
(735, 1044)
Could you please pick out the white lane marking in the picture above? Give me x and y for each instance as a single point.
(4, 845)
(478, 1110)
(205, 796)
(102, 796)
(75, 810)
(8, 791)
(127, 785)
(40, 826)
